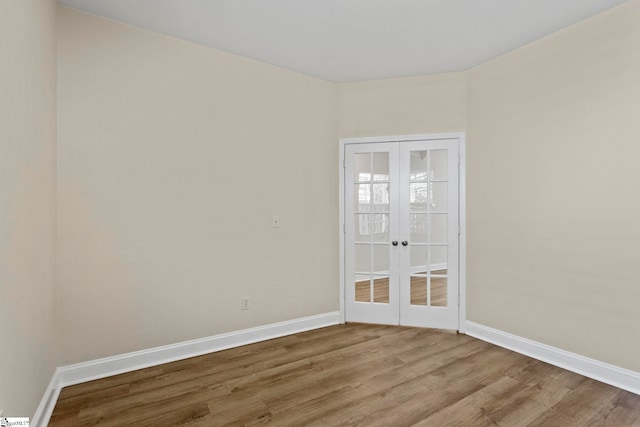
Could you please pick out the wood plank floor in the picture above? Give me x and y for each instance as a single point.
(351, 374)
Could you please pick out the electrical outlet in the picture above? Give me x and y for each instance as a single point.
(245, 303)
(275, 221)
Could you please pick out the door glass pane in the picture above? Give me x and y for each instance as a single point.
(438, 259)
(381, 197)
(418, 228)
(418, 259)
(438, 163)
(381, 259)
(438, 228)
(363, 290)
(362, 167)
(418, 196)
(381, 166)
(418, 290)
(418, 165)
(362, 228)
(362, 198)
(438, 196)
(362, 258)
(438, 291)
(381, 290)
(380, 227)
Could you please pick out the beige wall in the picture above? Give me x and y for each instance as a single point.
(410, 105)
(27, 203)
(553, 207)
(552, 142)
(173, 158)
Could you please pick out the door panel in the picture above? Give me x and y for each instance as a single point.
(371, 263)
(401, 225)
(429, 221)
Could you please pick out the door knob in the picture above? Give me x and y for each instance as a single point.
(394, 243)
(405, 243)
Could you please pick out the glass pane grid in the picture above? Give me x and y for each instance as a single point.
(429, 221)
(372, 221)
(428, 288)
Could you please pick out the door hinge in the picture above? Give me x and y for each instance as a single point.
(344, 164)
(344, 229)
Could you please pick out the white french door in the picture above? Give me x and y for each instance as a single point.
(401, 233)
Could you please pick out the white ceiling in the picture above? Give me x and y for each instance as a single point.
(354, 40)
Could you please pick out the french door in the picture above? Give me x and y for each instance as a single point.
(401, 233)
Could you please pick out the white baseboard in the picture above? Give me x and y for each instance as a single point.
(101, 368)
(108, 366)
(600, 371)
(48, 402)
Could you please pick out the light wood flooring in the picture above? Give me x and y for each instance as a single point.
(351, 374)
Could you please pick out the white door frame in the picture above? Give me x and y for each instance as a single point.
(462, 217)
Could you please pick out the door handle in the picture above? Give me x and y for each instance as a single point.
(405, 243)
(394, 243)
